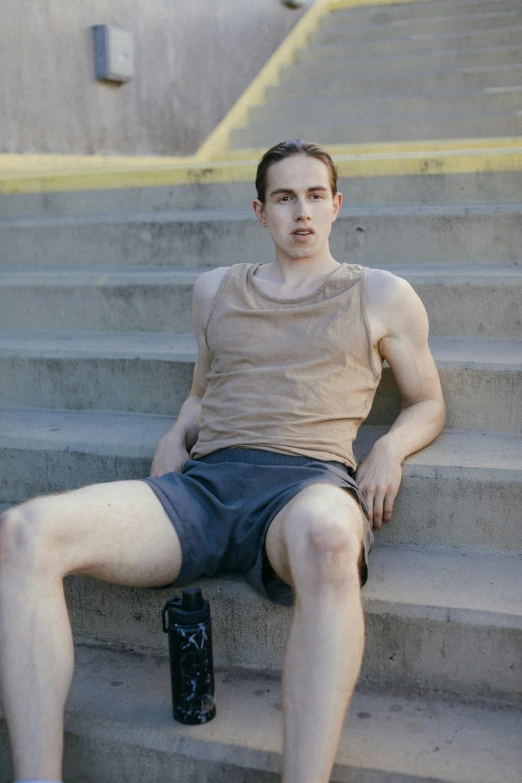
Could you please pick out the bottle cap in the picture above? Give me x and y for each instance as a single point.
(191, 599)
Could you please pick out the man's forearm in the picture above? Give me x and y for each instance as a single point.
(416, 426)
(186, 427)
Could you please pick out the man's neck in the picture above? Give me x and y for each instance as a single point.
(297, 272)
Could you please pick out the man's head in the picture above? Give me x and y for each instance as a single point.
(285, 149)
(297, 198)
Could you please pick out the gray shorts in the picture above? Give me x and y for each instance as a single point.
(222, 504)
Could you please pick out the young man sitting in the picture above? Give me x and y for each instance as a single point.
(256, 475)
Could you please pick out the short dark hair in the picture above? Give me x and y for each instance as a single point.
(285, 149)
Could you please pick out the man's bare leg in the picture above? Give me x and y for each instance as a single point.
(314, 544)
(117, 532)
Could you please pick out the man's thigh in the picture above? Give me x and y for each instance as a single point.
(320, 499)
(116, 531)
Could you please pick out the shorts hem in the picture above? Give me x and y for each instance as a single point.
(278, 591)
(178, 525)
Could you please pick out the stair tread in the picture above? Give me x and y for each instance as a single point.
(316, 101)
(487, 352)
(137, 434)
(399, 119)
(485, 274)
(236, 215)
(392, 25)
(472, 45)
(383, 734)
(403, 36)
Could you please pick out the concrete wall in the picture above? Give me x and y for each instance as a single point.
(193, 59)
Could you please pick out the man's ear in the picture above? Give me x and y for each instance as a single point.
(337, 201)
(259, 209)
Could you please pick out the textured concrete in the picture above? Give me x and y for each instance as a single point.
(484, 186)
(119, 726)
(430, 234)
(437, 619)
(51, 101)
(467, 301)
(441, 81)
(152, 373)
(426, 11)
(332, 29)
(399, 46)
(453, 492)
(348, 65)
(391, 128)
(371, 109)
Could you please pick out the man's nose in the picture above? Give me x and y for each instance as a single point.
(302, 209)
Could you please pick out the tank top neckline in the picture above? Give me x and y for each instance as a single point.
(250, 278)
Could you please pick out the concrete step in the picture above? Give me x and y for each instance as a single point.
(147, 372)
(332, 30)
(119, 726)
(379, 85)
(460, 233)
(479, 187)
(437, 619)
(454, 492)
(507, 35)
(427, 11)
(128, 200)
(350, 62)
(374, 108)
(463, 300)
(392, 128)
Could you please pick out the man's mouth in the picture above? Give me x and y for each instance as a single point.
(302, 232)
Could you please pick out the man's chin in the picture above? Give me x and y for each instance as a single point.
(302, 252)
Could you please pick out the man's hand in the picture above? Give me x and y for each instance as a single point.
(379, 478)
(171, 455)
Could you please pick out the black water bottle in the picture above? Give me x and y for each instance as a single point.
(191, 663)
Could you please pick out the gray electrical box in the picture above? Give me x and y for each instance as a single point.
(114, 53)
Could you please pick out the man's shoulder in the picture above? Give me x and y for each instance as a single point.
(391, 300)
(207, 283)
(384, 286)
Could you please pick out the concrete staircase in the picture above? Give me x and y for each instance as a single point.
(432, 70)
(96, 357)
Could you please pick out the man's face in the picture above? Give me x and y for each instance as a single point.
(299, 207)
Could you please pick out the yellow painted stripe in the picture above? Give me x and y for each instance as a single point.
(419, 163)
(378, 163)
(192, 173)
(43, 163)
(398, 147)
(237, 117)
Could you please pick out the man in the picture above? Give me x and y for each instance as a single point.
(257, 474)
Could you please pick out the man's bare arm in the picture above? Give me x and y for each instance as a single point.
(402, 325)
(173, 449)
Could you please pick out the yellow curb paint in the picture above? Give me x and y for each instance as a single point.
(254, 95)
(192, 173)
(444, 162)
(398, 147)
(368, 164)
(51, 163)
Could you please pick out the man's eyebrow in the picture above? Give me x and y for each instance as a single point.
(292, 192)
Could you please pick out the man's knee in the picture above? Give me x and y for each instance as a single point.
(323, 536)
(26, 536)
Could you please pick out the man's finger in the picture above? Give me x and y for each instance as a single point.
(389, 500)
(378, 503)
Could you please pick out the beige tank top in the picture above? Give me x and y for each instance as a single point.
(295, 376)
